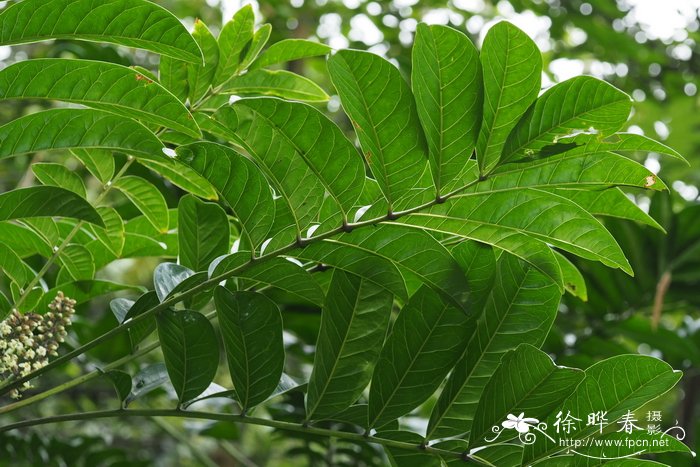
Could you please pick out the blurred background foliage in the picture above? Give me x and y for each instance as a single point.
(647, 48)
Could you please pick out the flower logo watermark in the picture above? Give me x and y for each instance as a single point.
(520, 423)
(594, 436)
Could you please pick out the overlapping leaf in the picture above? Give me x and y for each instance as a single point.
(13, 266)
(293, 180)
(101, 85)
(78, 262)
(259, 40)
(233, 39)
(287, 50)
(251, 325)
(608, 202)
(147, 198)
(190, 350)
(527, 381)
(203, 232)
(182, 175)
(567, 170)
(426, 340)
(275, 83)
(200, 76)
(614, 386)
(284, 275)
(99, 162)
(240, 183)
(580, 104)
(23, 240)
(512, 65)
(77, 128)
(300, 131)
(46, 201)
(133, 23)
(408, 250)
(520, 309)
(353, 326)
(541, 215)
(60, 176)
(447, 83)
(619, 142)
(381, 107)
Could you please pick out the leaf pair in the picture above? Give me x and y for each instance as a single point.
(251, 327)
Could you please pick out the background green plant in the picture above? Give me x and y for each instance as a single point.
(150, 229)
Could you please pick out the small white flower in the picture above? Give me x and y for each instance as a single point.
(520, 423)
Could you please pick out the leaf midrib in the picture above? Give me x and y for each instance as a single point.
(410, 366)
(340, 351)
(476, 364)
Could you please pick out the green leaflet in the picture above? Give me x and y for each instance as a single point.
(60, 176)
(99, 162)
(275, 83)
(409, 250)
(512, 65)
(203, 232)
(447, 82)
(172, 74)
(251, 326)
(13, 266)
(234, 37)
(615, 385)
(568, 170)
(287, 50)
(383, 112)
(78, 262)
(539, 214)
(182, 175)
(478, 263)
(201, 76)
(139, 331)
(284, 275)
(167, 276)
(294, 181)
(520, 309)
(101, 85)
(147, 198)
(409, 458)
(256, 44)
(375, 268)
(609, 202)
(240, 183)
(580, 104)
(300, 131)
(23, 240)
(574, 283)
(121, 382)
(353, 325)
(190, 350)
(133, 23)
(46, 227)
(46, 201)
(591, 144)
(426, 340)
(77, 128)
(146, 380)
(526, 381)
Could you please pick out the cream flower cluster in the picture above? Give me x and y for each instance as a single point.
(28, 340)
